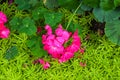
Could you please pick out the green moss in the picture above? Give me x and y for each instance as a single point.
(101, 56)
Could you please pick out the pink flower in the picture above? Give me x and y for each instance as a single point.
(3, 18)
(66, 56)
(4, 32)
(54, 43)
(62, 33)
(49, 30)
(82, 64)
(45, 65)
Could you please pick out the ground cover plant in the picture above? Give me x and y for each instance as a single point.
(59, 40)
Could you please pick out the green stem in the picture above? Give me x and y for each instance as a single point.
(73, 16)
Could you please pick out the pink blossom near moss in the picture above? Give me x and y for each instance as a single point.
(82, 64)
(54, 43)
(45, 64)
(66, 56)
(4, 32)
(3, 18)
(49, 29)
(82, 51)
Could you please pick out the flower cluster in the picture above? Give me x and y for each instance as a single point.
(54, 43)
(4, 32)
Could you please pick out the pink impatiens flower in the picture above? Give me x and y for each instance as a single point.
(3, 18)
(45, 64)
(54, 43)
(4, 32)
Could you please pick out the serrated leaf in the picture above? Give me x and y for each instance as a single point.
(112, 31)
(50, 4)
(53, 18)
(38, 13)
(117, 3)
(15, 23)
(106, 16)
(28, 26)
(107, 4)
(91, 3)
(22, 4)
(11, 53)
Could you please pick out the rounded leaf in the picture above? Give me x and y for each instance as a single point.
(112, 31)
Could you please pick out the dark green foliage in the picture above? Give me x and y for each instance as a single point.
(36, 46)
(25, 4)
(117, 3)
(15, 23)
(107, 4)
(51, 4)
(91, 3)
(112, 31)
(73, 27)
(28, 26)
(53, 18)
(25, 25)
(11, 53)
(38, 13)
(22, 4)
(106, 16)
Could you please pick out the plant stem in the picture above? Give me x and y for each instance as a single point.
(73, 15)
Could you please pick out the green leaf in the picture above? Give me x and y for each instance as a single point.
(74, 26)
(33, 2)
(35, 45)
(117, 3)
(106, 16)
(15, 23)
(11, 53)
(53, 18)
(107, 4)
(38, 13)
(22, 4)
(50, 4)
(69, 4)
(28, 26)
(112, 31)
(91, 3)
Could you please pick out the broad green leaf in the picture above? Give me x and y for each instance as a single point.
(33, 2)
(107, 4)
(11, 53)
(74, 27)
(53, 18)
(117, 3)
(38, 13)
(85, 7)
(36, 46)
(91, 3)
(28, 26)
(38, 51)
(15, 23)
(50, 4)
(112, 31)
(69, 4)
(22, 4)
(106, 16)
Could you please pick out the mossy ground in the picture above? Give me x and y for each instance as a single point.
(101, 56)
